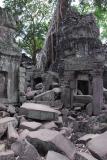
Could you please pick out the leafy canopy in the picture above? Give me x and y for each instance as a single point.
(34, 17)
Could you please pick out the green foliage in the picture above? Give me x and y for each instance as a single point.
(33, 20)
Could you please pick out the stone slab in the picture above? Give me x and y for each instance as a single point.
(45, 140)
(4, 124)
(46, 96)
(84, 156)
(55, 156)
(31, 126)
(98, 146)
(25, 151)
(38, 112)
(86, 138)
(7, 155)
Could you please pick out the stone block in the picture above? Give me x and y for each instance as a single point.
(83, 99)
(98, 146)
(12, 133)
(49, 125)
(38, 112)
(31, 126)
(89, 109)
(46, 96)
(45, 140)
(25, 151)
(84, 156)
(55, 156)
(7, 155)
(4, 124)
(86, 138)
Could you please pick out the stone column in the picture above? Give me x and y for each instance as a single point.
(67, 89)
(97, 92)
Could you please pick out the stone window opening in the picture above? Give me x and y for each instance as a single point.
(82, 87)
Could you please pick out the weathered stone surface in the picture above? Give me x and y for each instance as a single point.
(45, 140)
(38, 111)
(56, 103)
(25, 150)
(31, 94)
(4, 124)
(98, 146)
(83, 99)
(23, 134)
(31, 126)
(46, 96)
(49, 125)
(81, 126)
(2, 107)
(12, 133)
(7, 155)
(87, 138)
(55, 156)
(89, 109)
(84, 156)
(2, 147)
(9, 59)
(11, 109)
(4, 114)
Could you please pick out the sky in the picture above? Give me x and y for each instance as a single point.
(1, 3)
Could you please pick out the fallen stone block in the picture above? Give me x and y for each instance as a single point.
(25, 151)
(84, 156)
(4, 124)
(59, 122)
(46, 96)
(45, 140)
(31, 126)
(2, 147)
(4, 114)
(23, 134)
(56, 103)
(12, 133)
(3, 107)
(83, 99)
(55, 156)
(7, 155)
(98, 146)
(49, 125)
(86, 138)
(38, 112)
(89, 109)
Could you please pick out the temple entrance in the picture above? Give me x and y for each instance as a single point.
(83, 86)
(3, 84)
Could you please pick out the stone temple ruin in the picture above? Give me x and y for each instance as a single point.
(9, 59)
(78, 57)
(56, 110)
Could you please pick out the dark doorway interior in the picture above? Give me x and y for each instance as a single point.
(37, 81)
(3, 84)
(83, 86)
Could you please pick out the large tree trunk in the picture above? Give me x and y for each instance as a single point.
(49, 46)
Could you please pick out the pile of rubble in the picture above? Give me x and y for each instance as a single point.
(43, 129)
